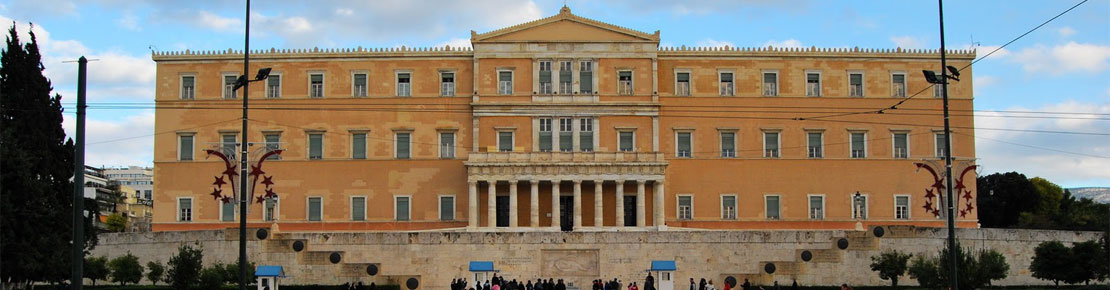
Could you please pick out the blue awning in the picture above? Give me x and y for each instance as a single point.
(269, 271)
(481, 266)
(662, 266)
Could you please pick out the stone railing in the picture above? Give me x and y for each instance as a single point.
(565, 157)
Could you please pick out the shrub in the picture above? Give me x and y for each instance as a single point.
(975, 271)
(116, 222)
(154, 272)
(890, 265)
(184, 268)
(231, 272)
(126, 269)
(212, 277)
(96, 268)
(1051, 262)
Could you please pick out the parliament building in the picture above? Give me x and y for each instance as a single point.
(560, 124)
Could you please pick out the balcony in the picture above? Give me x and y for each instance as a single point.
(565, 157)
(566, 166)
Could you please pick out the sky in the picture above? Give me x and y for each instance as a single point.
(1064, 66)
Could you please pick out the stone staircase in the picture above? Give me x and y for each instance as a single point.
(830, 255)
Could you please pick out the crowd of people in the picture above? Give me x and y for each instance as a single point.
(500, 283)
(747, 285)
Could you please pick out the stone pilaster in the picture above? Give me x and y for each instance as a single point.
(491, 204)
(556, 189)
(599, 208)
(640, 210)
(620, 203)
(512, 204)
(472, 216)
(577, 204)
(535, 207)
(658, 206)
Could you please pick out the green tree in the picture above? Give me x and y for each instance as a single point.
(975, 271)
(1051, 261)
(1088, 259)
(184, 268)
(212, 277)
(1007, 195)
(890, 265)
(36, 199)
(96, 268)
(231, 272)
(126, 269)
(116, 222)
(154, 272)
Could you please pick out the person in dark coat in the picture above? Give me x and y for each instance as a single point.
(649, 282)
(560, 285)
(373, 286)
(701, 284)
(693, 286)
(747, 285)
(794, 286)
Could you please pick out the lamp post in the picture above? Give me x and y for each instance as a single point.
(858, 205)
(931, 77)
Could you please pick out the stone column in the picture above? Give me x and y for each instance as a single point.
(640, 208)
(512, 204)
(556, 189)
(657, 208)
(473, 215)
(491, 204)
(535, 208)
(577, 204)
(620, 203)
(598, 207)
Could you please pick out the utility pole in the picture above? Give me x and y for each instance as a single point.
(952, 249)
(243, 158)
(77, 247)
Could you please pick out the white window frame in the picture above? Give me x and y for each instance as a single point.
(454, 83)
(354, 89)
(678, 206)
(550, 130)
(631, 82)
(721, 142)
(323, 84)
(395, 147)
(365, 144)
(570, 67)
(862, 83)
(192, 153)
(866, 205)
(397, 82)
(351, 207)
(938, 91)
(864, 156)
(512, 81)
(192, 209)
(909, 206)
(582, 123)
(234, 217)
(408, 218)
(308, 144)
(592, 68)
(454, 143)
(766, 214)
(905, 84)
(809, 206)
(181, 86)
(936, 145)
(439, 207)
(720, 82)
(281, 85)
(277, 210)
(512, 144)
(894, 145)
(223, 86)
(566, 122)
(820, 82)
(763, 82)
(735, 207)
(821, 154)
(764, 143)
(680, 131)
(308, 208)
(619, 131)
(690, 82)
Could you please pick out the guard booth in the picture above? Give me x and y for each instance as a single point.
(267, 277)
(481, 271)
(664, 274)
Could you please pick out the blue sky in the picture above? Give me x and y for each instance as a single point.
(1062, 67)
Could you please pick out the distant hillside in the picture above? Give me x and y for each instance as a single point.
(1099, 194)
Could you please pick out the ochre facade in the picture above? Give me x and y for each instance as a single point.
(634, 137)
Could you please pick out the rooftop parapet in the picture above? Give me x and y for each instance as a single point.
(274, 53)
(811, 51)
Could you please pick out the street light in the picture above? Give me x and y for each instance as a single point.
(931, 77)
(859, 205)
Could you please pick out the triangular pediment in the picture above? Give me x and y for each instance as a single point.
(564, 27)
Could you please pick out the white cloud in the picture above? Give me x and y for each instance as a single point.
(1066, 31)
(709, 42)
(1066, 58)
(984, 81)
(129, 21)
(983, 50)
(216, 22)
(344, 12)
(909, 42)
(455, 43)
(791, 43)
(686, 7)
(123, 142)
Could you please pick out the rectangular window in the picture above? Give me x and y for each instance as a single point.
(626, 141)
(269, 209)
(774, 209)
(446, 208)
(586, 77)
(402, 146)
(447, 145)
(185, 147)
(898, 85)
(315, 208)
(273, 142)
(358, 208)
(505, 141)
(447, 84)
(566, 77)
(566, 135)
(728, 207)
(273, 86)
(316, 85)
(227, 211)
(685, 207)
(229, 86)
(938, 91)
(402, 208)
(940, 144)
(728, 86)
(545, 135)
(683, 144)
(315, 146)
(770, 84)
(859, 144)
(586, 134)
(545, 77)
(682, 84)
(148, 194)
(728, 144)
(855, 84)
(358, 146)
(816, 144)
(901, 207)
(901, 145)
(359, 81)
(188, 87)
(771, 144)
(624, 83)
(813, 84)
(859, 207)
(816, 207)
(404, 84)
(185, 209)
(505, 82)
(228, 144)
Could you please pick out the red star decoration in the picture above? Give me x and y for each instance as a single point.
(217, 194)
(226, 199)
(268, 180)
(256, 171)
(929, 193)
(260, 199)
(270, 193)
(230, 172)
(219, 181)
(967, 195)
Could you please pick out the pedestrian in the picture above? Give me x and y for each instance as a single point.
(701, 284)
(649, 282)
(727, 286)
(560, 285)
(693, 286)
(373, 286)
(795, 285)
(845, 287)
(710, 286)
(777, 286)
(746, 285)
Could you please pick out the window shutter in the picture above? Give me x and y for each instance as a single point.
(358, 208)
(726, 77)
(403, 145)
(684, 77)
(358, 146)
(315, 146)
(586, 82)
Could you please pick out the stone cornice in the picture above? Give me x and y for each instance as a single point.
(314, 53)
(728, 51)
(564, 14)
(482, 109)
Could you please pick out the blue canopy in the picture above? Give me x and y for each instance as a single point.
(269, 271)
(662, 266)
(481, 266)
